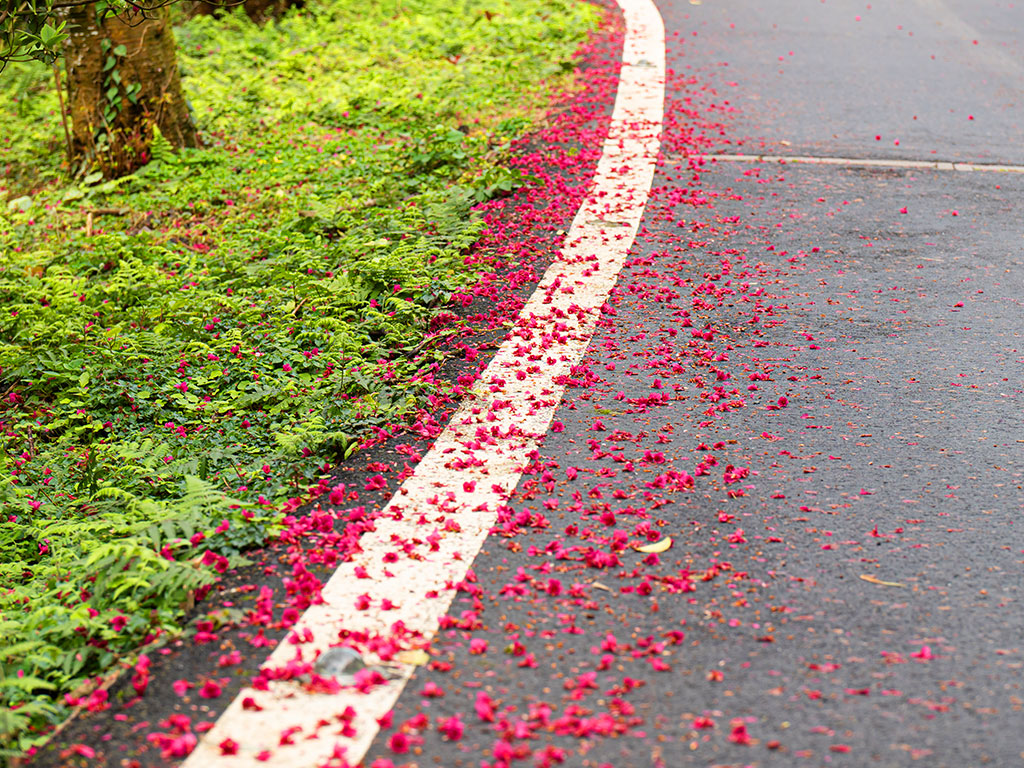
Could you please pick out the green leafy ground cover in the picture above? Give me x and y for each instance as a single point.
(183, 349)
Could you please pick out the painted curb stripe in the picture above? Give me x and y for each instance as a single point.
(849, 161)
(497, 425)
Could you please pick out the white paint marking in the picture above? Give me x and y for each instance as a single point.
(849, 161)
(495, 427)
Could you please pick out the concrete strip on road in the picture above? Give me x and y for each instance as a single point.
(862, 162)
(476, 462)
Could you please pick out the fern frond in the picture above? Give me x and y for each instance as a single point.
(160, 149)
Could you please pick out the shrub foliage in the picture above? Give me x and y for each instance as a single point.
(184, 348)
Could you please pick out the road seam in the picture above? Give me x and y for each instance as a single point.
(497, 427)
(847, 161)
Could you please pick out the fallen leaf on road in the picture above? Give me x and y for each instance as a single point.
(873, 580)
(415, 657)
(655, 548)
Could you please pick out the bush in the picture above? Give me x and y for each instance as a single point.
(184, 348)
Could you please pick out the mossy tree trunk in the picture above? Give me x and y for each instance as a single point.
(122, 80)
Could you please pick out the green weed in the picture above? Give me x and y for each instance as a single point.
(183, 348)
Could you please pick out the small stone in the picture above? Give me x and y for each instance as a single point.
(342, 662)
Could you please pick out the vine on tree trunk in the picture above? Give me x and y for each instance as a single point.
(123, 82)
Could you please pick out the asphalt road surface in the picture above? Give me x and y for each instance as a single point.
(809, 378)
(871, 612)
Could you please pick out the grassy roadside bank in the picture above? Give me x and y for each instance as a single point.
(184, 349)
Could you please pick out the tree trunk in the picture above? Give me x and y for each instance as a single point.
(257, 10)
(123, 80)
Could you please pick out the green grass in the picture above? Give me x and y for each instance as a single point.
(251, 310)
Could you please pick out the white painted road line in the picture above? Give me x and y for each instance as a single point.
(496, 427)
(848, 161)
